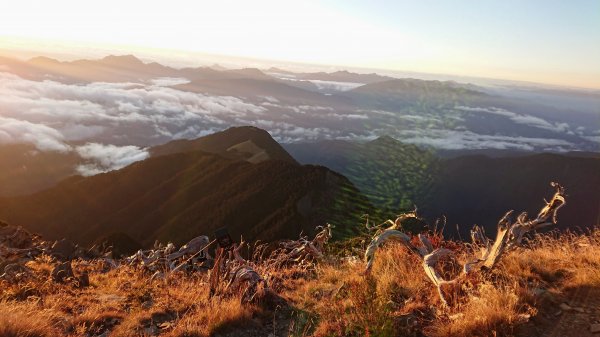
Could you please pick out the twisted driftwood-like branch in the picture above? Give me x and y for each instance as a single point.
(509, 236)
(390, 233)
(302, 250)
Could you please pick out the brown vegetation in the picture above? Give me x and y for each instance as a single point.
(522, 295)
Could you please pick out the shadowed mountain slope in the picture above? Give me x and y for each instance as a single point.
(479, 190)
(178, 196)
(393, 175)
(474, 189)
(24, 169)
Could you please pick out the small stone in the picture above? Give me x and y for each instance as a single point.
(83, 280)
(147, 304)
(558, 313)
(579, 309)
(63, 249)
(565, 307)
(595, 328)
(152, 330)
(62, 271)
(538, 291)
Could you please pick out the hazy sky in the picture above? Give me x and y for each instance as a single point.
(544, 41)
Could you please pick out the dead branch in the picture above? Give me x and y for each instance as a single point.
(302, 251)
(509, 236)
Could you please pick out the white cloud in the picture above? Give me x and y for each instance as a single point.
(75, 132)
(459, 140)
(102, 158)
(43, 137)
(520, 118)
(348, 116)
(169, 81)
(111, 112)
(335, 86)
(51, 115)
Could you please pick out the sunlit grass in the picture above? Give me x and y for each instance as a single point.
(334, 299)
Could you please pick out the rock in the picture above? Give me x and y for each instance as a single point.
(83, 280)
(595, 328)
(538, 291)
(147, 304)
(63, 249)
(565, 307)
(151, 330)
(579, 309)
(62, 272)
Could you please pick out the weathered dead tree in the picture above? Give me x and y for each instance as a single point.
(508, 237)
(243, 276)
(302, 251)
(165, 259)
(232, 274)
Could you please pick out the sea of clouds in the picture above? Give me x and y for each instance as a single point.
(111, 125)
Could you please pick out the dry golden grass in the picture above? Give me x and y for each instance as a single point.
(26, 320)
(334, 299)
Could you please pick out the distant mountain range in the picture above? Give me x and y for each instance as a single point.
(336, 76)
(102, 101)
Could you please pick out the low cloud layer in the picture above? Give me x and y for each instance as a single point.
(94, 110)
(335, 86)
(462, 140)
(103, 158)
(118, 121)
(519, 118)
(43, 137)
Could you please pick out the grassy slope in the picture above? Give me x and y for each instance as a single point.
(520, 297)
(179, 196)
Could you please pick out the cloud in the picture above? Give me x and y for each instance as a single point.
(323, 86)
(54, 115)
(169, 81)
(348, 116)
(520, 118)
(460, 140)
(115, 104)
(50, 115)
(335, 86)
(102, 158)
(43, 137)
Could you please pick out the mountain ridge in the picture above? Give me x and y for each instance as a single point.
(187, 192)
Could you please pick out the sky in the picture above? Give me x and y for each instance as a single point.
(549, 41)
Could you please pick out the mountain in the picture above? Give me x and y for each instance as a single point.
(471, 189)
(243, 143)
(479, 189)
(413, 92)
(183, 103)
(173, 197)
(30, 170)
(346, 76)
(118, 68)
(336, 76)
(393, 175)
(125, 68)
(24, 169)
